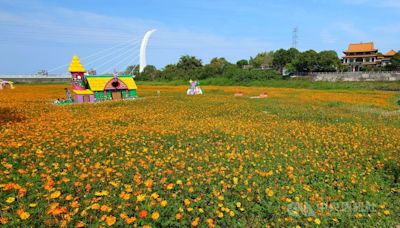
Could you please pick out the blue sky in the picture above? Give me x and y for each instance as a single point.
(44, 34)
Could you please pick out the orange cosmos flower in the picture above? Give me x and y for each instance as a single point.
(23, 214)
(143, 214)
(110, 220)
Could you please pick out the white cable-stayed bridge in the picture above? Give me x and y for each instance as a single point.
(118, 57)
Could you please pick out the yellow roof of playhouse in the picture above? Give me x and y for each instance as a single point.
(97, 83)
(82, 92)
(76, 66)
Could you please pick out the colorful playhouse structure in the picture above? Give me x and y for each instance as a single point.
(194, 88)
(88, 88)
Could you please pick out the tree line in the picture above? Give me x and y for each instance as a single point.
(264, 66)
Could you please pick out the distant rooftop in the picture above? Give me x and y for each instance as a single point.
(390, 53)
(361, 47)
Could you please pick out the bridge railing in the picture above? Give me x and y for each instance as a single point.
(34, 76)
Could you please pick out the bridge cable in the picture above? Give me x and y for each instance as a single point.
(117, 56)
(99, 52)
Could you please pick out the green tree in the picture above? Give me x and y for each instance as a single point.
(217, 66)
(150, 72)
(289, 69)
(293, 52)
(282, 57)
(262, 60)
(328, 61)
(241, 63)
(132, 69)
(187, 62)
(306, 61)
(171, 72)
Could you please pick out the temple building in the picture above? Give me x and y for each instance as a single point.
(359, 55)
(385, 58)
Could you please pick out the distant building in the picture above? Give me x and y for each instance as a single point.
(385, 58)
(360, 55)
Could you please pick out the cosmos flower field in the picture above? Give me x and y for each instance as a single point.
(300, 158)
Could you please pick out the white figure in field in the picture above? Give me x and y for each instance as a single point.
(3, 84)
(194, 88)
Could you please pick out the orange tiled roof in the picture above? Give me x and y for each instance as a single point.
(390, 53)
(361, 47)
(359, 56)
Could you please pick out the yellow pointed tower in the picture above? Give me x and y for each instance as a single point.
(77, 71)
(76, 66)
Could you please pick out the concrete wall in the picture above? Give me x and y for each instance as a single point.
(357, 76)
(39, 80)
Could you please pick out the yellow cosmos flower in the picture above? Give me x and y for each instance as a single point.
(102, 193)
(170, 186)
(125, 196)
(55, 194)
(155, 215)
(10, 199)
(235, 180)
(164, 203)
(186, 202)
(195, 222)
(105, 208)
(140, 198)
(220, 214)
(386, 212)
(178, 216)
(154, 195)
(95, 206)
(269, 192)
